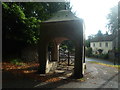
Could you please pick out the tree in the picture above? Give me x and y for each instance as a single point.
(88, 51)
(17, 27)
(106, 33)
(67, 44)
(43, 10)
(99, 34)
(119, 28)
(113, 19)
(114, 23)
(21, 22)
(87, 42)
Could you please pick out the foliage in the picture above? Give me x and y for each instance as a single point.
(87, 43)
(118, 49)
(64, 47)
(21, 23)
(43, 10)
(102, 56)
(88, 51)
(99, 34)
(16, 62)
(68, 44)
(113, 19)
(22, 20)
(32, 31)
(91, 36)
(17, 27)
(81, 79)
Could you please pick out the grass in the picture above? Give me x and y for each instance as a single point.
(16, 62)
(81, 79)
(116, 66)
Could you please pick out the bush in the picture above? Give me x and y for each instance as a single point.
(103, 56)
(88, 52)
(16, 62)
(94, 55)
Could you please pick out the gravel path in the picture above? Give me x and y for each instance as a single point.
(96, 76)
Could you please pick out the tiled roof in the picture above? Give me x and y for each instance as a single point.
(63, 15)
(103, 38)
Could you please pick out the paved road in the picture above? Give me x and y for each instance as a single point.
(94, 59)
(96, 76)
(99, 60)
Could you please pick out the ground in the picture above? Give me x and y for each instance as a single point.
(96, 76)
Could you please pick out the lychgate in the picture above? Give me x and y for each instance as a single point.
(64, 25)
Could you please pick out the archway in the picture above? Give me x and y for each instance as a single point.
(55, 30)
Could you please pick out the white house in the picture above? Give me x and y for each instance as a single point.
(102, 44)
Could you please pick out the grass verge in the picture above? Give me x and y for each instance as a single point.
(116, 66)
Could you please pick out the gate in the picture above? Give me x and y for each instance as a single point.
(66, 57)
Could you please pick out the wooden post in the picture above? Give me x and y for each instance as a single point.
(68, 58)
(59, 55)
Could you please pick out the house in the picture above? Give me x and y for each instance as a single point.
(102, 44)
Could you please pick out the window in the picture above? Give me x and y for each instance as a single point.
(106, 44)
(93, 44)
(100, 44)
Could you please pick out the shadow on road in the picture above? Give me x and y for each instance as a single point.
(55, 85)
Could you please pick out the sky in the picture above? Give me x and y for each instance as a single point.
(94, 13)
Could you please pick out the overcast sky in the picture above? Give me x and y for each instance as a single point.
(94, 13)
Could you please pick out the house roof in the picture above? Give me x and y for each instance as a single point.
(63, 15)
(103, 38)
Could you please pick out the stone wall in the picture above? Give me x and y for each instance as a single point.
(51, 66)
(29, 54)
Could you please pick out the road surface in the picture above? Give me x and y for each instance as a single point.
(105, 61)
(99, 60)
(96, 76)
